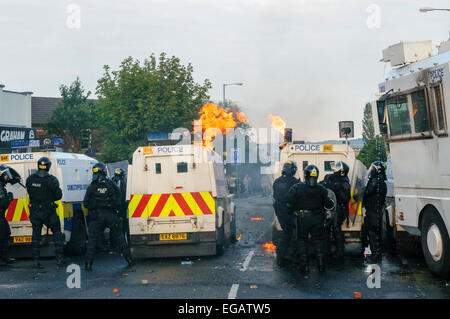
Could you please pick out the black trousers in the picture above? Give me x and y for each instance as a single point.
(5, 233)
(287, 222)
(40, 216)
(314, 224)
(372, 231)
(99, 220)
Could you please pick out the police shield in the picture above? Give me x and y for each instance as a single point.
(358, 182)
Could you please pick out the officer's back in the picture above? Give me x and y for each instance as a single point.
(43, 188)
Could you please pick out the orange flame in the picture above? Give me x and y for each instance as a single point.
(277, 123)
(215, 117)
(239, 237)
(269, 246)
(256, 218)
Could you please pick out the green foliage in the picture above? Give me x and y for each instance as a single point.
(73, 116)
(374, 146)
(157, 96)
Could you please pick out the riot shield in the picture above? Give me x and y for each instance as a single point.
(358, 182)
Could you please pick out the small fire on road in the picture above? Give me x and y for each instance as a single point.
(269, 246)
(256, 218)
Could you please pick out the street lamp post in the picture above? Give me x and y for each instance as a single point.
(224, 85)
(427, 9)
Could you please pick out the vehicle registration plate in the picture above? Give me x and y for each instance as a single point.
(176, 236)
(22, 239)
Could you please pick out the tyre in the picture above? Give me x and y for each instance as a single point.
(435, 243)
(77, 244)
(233, 238)
(220, 245)
(387, 234)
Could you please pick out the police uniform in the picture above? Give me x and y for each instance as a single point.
(340, 185)
(102, 200)
(374, 201)
(284, 213)
(5, 232)
(43, 190)
(310, 199)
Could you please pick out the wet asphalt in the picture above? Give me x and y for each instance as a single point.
(246, 271)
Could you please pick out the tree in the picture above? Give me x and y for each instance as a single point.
(157, 96)
(73, 118)
(374, 147)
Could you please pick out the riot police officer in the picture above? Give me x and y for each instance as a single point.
(339, 183)
(43, 190)
(5, 199)
(374, 201)
(284, 213)
(102, 200)
(311, 200)
(121, 182)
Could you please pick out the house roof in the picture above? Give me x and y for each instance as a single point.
(42, 109)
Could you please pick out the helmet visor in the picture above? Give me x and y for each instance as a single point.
(6, 174)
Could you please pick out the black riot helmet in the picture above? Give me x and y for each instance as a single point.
(99, 172)
(5, 175)
(119, 173)
(311, 175)
(377, 170)
(341, 169)
(289, 168)
(44, 164)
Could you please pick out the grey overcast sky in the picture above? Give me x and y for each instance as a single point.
(313, 62)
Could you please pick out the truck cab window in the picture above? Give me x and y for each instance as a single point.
(158, 168)
(440, 108)
(399, 122)
(419, 111)
(182, 167)
(327, 166)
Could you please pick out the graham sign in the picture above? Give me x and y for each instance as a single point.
(11, 134)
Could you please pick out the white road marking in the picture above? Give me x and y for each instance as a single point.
(233, 291)
(247, 260)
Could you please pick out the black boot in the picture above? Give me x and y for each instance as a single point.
(130, 261)
(304, 265)
(321, 263)
(60, 262)
(340, 244)
(88, 265)
(37, 264)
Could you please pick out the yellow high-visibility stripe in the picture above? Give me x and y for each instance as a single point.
(190, 201)
(151, 205)
(134, 202)
(209, 200)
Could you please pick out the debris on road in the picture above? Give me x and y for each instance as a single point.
(144, 281)
(254, 287)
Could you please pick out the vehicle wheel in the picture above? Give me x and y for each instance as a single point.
(77, 244)
(275, 236)
(387, 234)
(220, 245)
(435, 244)
(233, 238)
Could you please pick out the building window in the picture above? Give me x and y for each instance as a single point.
(182, 167)
(419, 111)
(158, 168)
(399, 121)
